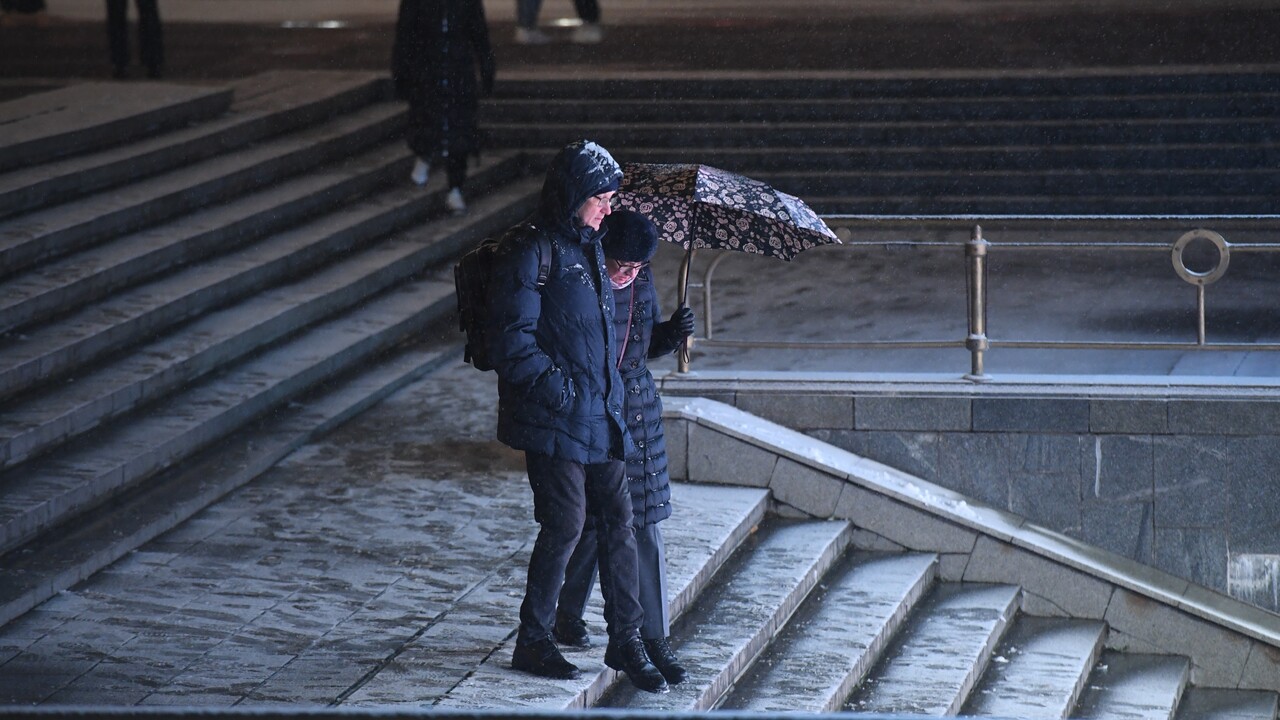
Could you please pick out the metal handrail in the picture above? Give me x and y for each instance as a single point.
(976, 250)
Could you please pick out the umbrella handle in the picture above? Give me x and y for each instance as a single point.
(682, 364)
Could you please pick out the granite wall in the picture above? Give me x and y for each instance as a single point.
(1189, 486)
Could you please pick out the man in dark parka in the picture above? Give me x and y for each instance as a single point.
(560, 401)
(439, 46)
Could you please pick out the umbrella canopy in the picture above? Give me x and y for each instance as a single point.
(699, 206)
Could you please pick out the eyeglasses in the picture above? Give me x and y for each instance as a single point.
(637, 266)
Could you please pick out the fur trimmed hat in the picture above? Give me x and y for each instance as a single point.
(631, 237)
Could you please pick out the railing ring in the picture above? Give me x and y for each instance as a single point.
(1211, 275)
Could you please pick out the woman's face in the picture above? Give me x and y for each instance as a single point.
(594, 210)
(622, 273)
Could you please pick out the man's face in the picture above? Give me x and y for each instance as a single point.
(594, 210)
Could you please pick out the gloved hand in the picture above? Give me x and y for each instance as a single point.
(682, 322)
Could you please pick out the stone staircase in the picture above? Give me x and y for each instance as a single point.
(777, 612)
(231, 256)
(1176, 143)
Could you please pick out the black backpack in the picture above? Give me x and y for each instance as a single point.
(471, 286)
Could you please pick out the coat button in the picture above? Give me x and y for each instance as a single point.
(636, 337)
(639, 417)
(635, 363)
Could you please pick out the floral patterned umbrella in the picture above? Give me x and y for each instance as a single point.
(699, 206)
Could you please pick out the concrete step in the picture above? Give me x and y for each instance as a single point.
(264, 106)
(881, 109)
(145, 311)
(1120, 205)
(64, 559)
(61, 286)
(1039, 670)
(927, 135)
(86, 472)
(937, 660)
(88, 116)
(39, 422)
(1134, 686)
(1220, 704)
(836, 637)
(476, 636)
(1253, 185)
(732, 622)
(928, 86)
(45, 234)
(1227, 157)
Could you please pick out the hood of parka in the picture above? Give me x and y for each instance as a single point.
(580, 170)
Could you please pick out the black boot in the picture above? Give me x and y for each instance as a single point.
(571, 632)
(542, 657)
(664, 658)
(629, 656)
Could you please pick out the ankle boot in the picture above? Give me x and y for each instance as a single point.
(664, 658)
(629, 656)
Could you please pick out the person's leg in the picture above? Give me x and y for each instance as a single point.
(559, 507)
(589, 32)
(150, 38)
(588, 10)
(609, 502)
(653, 598)
(652, 567)
(118, 34)
(456, 170)
(579, 578)
(527, 13)
(527, 32)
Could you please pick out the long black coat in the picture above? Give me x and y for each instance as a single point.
(642, 336)
(439, 47)
(553, 347)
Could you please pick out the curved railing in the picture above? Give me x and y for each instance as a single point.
(1211, 249)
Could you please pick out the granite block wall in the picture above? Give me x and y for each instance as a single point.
(1189, 486)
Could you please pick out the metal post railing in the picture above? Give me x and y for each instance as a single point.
(977, 340)
(976, 276)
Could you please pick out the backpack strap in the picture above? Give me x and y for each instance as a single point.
(544, 259)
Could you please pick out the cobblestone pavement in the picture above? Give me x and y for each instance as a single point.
(301, 586)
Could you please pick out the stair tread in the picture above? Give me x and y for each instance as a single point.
(1134, 686)
(477, 636)
(1223, 704)
(832, 642)
(37, 421)
(43, 290)
(37, 494)
(1039, 670)
(261, 106)
(53, 123)
(171, 298)
(733, 620)
(939, 657)
(55, 230)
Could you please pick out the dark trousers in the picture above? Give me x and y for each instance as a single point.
(580, 576)
(563, 494)
(150, 42)
(527, 11)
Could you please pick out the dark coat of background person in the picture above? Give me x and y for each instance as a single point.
(637, 324)
(554, 395)
(440, 46)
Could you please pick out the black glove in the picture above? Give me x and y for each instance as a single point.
(682, 322)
